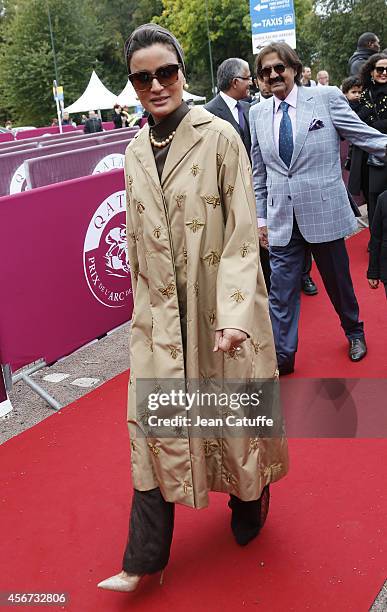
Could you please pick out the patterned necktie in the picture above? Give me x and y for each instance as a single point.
(241, 118)
(285, 135)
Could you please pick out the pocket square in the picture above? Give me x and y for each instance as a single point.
(316, 124)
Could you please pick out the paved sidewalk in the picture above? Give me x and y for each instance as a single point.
(97, 362)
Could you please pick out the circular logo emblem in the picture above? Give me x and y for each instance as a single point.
(110, 162)
(105, 253)
(18, 181)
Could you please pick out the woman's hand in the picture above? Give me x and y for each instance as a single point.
(227, 339)
(373, 283)
(263, 237)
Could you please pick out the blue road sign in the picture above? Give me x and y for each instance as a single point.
(272, 20)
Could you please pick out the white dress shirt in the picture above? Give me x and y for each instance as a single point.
(291, 99)
(231, 103)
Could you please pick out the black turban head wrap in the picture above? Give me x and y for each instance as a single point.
(150, 34)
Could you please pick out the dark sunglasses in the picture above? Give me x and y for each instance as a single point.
(166, 75)
(381, 69)
(266, 72)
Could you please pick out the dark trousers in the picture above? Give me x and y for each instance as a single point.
(150, 533)
(265, 263)
(152, 521)
(284, 300)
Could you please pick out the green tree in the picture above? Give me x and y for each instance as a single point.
(230, 34)
(26, 57)
(335, 28)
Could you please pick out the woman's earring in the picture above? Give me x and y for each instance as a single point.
(372, 80)
(185, 86)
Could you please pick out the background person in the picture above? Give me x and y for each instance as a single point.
(322, 78)
(117, 117)
(352, 89)
(193, 254)
(367, 45)
(377, 268)
(93, 123)
(373, 110)
(233, 82)
(306, 79)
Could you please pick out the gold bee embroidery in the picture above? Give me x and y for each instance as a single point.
(213, 258)
(245, 249)
(230, 478)
(186, 486)
(219, 159)
(233, 353)
(254, 444)
(155, 449)
(132, 444)
(195, 169)
(209, 447)
(174, 351)
(212, 200)
(212, 317)
(256, 347)
(180, 199)
(140, 208)
(272, 471)
(134, 236)
(237, 296)
(229, 190)
(196, 288)
(195, 225)
(157, 232)
(168, 291)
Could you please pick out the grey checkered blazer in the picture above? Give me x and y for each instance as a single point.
(312, 185)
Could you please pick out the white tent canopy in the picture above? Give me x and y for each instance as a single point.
(95, 97)
(189, 96)
(128, 96)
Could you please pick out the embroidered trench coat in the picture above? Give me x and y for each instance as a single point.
(193, 253)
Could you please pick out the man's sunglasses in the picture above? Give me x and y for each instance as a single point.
(264, 73)
(381, 69)
(166, 75)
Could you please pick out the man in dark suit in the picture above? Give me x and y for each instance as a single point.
(233, 81)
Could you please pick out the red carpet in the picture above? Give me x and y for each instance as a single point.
(323, 346)
(65, 497)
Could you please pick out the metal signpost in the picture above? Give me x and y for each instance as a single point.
(58, 97)
(272, 21)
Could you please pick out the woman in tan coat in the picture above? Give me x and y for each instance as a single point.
(200, 309)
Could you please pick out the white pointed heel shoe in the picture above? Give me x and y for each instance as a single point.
(123, 582)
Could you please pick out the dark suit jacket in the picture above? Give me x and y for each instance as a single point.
(218, 107)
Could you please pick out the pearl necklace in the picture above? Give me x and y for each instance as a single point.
(163, 143)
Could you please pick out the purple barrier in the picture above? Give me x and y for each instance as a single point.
(6, 136)
(108, 125)
(12, 168)
(18, 149)
(69, 281)
(73, 164)
(45, 130)
(50, 139)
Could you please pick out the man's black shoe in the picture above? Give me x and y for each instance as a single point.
(309, 286)
(357, 349)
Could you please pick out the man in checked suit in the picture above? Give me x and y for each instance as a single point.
(233, 81)
(301, 198)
